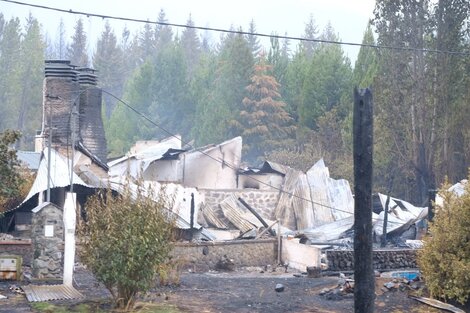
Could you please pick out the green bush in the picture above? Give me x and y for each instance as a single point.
(445, 259)
(125, 239)
(10, 177)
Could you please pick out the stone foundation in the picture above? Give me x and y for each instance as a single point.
(384, 260)
(205, 256)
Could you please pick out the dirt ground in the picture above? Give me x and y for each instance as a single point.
(245, 290)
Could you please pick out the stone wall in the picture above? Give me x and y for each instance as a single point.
(263, 201)
(22, 248)
(343, 260)
(205, 256)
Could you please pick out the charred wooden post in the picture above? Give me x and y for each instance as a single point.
(364, 291)
(191, 222)
(387, 205)
(384, 229)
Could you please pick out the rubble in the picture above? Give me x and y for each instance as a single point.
(4, 236)
(225, 264)
(345, 288)
(313, 271)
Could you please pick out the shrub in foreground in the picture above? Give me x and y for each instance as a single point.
(445, 259)
(126, 238)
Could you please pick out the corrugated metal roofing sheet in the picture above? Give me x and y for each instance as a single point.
(402, 215)
(234, 214)
(136, 163)
(50, 292)
(211, 217)
(180, 194)
(284, 211)
(303, 208)
(318, 177)
(60, 174)
(30, 158)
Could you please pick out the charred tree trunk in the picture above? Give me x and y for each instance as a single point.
(364, 290)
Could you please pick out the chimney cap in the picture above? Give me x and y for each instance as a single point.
(86, 69)
(57, 61)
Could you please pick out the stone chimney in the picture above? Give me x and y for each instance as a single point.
(72, 106)
(90, 121)
(60, 93)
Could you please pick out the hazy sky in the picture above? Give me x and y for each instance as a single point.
(348, 17)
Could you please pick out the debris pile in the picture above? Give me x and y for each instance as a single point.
(345, 288)
(402, 284)
(225, 264)
(387, 282)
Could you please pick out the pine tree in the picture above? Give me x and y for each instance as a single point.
(109, 61)
(278, 58)
(31, 74)
(295, 76)
(206, 128)
(124, 126)
(191, 46)
(328, 78)
(450, 20)
(163, 33)
(310, 32)
(77, 51)
(146, 44)
(61, 43)
(402, 105)
(235, 68)
(366, 66)
(10, 80)
(172, 106)
(253, 40)
(264, 119)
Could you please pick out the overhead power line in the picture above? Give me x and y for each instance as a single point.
(240, 32)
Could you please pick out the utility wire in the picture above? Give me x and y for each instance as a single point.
(240, 32)
(231, 166)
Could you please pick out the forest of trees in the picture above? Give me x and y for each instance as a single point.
(291, 101)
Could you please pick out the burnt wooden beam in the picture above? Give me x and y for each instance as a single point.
(364, 289)
(191, 222)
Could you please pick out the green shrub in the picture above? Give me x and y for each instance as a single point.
(125, 239)
(10, 177)
(445, 259)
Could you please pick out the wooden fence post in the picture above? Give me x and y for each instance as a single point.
(364, 285)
